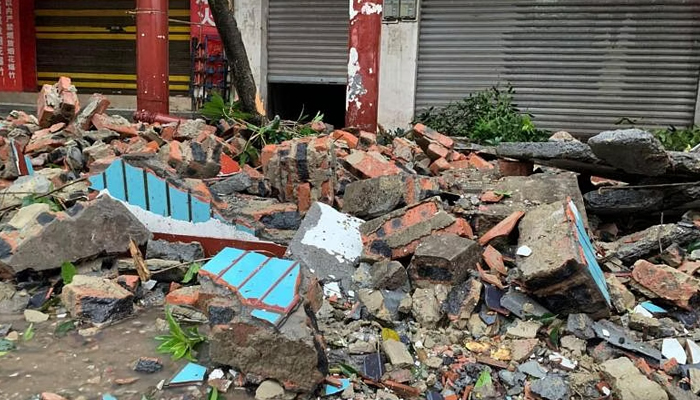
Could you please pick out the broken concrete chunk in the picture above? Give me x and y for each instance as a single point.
(622, 299)
(562, 270)
(524, 329)
(97, 104)
(445, 259)
(397, 353)
(462, 301)
(638, 245)
(668, 283)
(96, 299)
(398, 234)
(371, 198)
(628, 383)
(426, 305)
(551, 388)
(57, 103)
(389, 275)
(328, 243)
(175, 251)
(632, 150)
(580, 325)
(237, 183)
(99, 227)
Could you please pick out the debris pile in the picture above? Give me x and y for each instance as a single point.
(339, 266)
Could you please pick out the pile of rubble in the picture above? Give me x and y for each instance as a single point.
(346, 268)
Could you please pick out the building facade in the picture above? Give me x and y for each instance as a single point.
(576, 65)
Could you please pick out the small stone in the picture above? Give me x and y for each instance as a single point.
(148, 365)
(271, 390)
(478, 328)
(35, 316)
(426, 307)
(397, 353)
(524, 329)
(533, 368)
(622, 299)
(434, 362)
(694, 375)
(630, 384)
(641, 323)
(386, 395)
(581, 326)
(362, 347)
(12, 336)
(51, 396)
(389, 275)
(551, 388)
(573, 344)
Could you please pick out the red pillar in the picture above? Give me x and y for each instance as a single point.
(152, 56)
(363, 64)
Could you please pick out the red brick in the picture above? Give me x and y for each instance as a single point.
(456, 156)
(515, 168)
(461, 164)
(490, 196)
(129, 282)
(478, 162)
(185, 296)
(347, 137)
(229, 165)
(304, 197)
(667, 283)
(503, 228)
(439, 165)
(424, 131)
(367, 139)
(436, 151)
(494, 260)
(370, 164)
(266, 154)
(318, 126)
(252, 172)
(403, 149)
(151, 147)
(102, 121)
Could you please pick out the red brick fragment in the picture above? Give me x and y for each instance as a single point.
(370, 164)
(503, 228)
(439, 165)
(668, 283)
(490, 196)
(515, 168)
(478, 162)
(494, 260)
(350, 140)
(426, 132)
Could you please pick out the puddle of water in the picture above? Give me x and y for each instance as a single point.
(75, 366)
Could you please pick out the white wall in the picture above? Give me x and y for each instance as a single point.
(251, 16)
(397, 73)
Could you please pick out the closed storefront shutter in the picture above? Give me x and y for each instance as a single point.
(94, 43)
(308, 41)
(576, 65)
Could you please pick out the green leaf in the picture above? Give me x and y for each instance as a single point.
(28, 333)
(504, 193)
(348, 370)
(554, 333)
(6, 345)
(3, 353)
(68, 271)
(213, 394)
(484, 379)
(64, 327)
(191, 272)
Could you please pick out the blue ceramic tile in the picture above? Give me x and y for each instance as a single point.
(115, 180)
(136, 186)
(108, 396)
(653, 308)
(223, 260)
(201, 211)
(269, 316)
(97, 182)
(331, 390)
(30, 167)
(589, 252)
(243, 270)
(157, 195)
(179, 204)
(268, 285)
(190, 373)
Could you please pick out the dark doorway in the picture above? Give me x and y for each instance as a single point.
(291, 100)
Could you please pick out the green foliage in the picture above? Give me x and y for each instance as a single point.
(675, 139)
(6, 345)
(64, 327)
(485, 117)
(213, 394)
(672, 138)
(28, 333)
(34, 199)
(276, 131)
(179, 342)
(216, 108)
(484, 379)
(191, 272)
(68, 271)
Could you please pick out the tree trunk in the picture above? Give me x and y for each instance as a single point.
(243, 80)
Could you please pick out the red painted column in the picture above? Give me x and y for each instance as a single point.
(152, 56)
(363, 64)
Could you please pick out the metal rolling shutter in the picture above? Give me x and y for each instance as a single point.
(577, 65)
(94, 42)
(308, 41)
